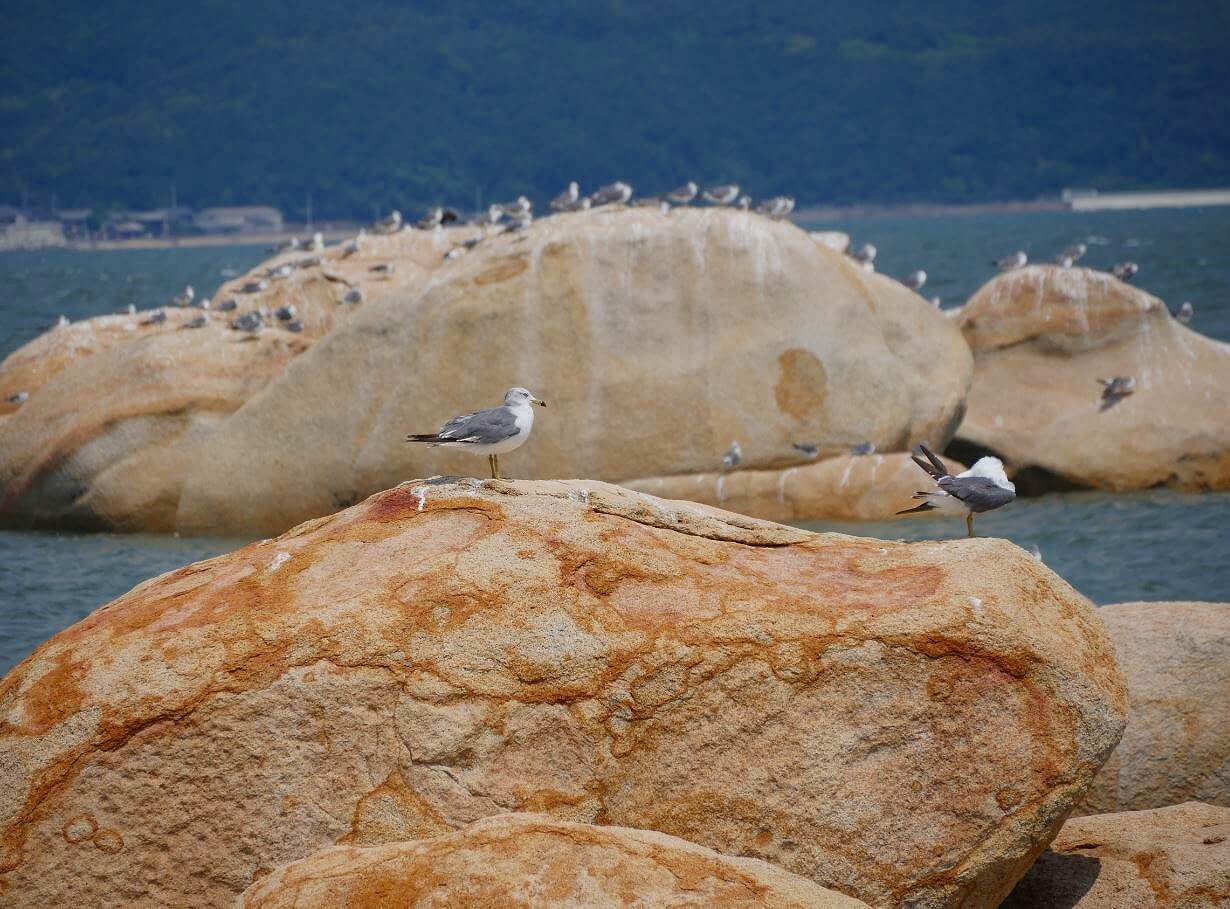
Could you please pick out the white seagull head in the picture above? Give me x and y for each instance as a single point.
(991, 469)
(516, 397)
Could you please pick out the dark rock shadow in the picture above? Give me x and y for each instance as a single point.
(1056, 881)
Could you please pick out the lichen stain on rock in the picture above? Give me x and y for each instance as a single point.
(79, 828)
(802, 384)
(54, 697)
(502, 271)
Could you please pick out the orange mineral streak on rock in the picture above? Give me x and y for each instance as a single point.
(909, 723)
(1041, 338)
(532, 861)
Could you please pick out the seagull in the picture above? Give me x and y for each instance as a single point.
(307, 262)
(984, 487)
(618, 192)
(915, 279)
(682, 195)
(132, 309)
(1072, 254)
(581, 204)
(278, 272)
(744, 203)
(389, 225)
(493, 215)
(294, 325)
(864, 254)
(522, 206)
(936, 302)
(354, 295)
(863, 448)
(1125, 271)
(722, 195)
(733, 457)
(353, 246)
(62, 321)
(565, 200)
(249, 321)
(184, 298)
(1017, 260)
(157, 317)
(516, 222)
(1185, 313)
(456, 252)
(19, 397)
(1035, 552)
(198, 322)
(491, 432)
(285, 313)
(227, 305)
(254, 287)
(808, 449)
(777, 207)
(384, 268)
(1115, 390)
(317, 243)
(204, 303)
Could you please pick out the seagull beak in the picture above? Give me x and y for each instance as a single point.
(539, 402)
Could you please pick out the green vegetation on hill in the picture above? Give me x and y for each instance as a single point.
(379, 104)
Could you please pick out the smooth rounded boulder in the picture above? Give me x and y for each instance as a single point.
(1165, 858)
(1043, 336)
(656, 339)
(533, 861)
(1176, 748)
(903, 723)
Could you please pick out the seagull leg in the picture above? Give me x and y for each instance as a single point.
(969, 523)
(494, 465)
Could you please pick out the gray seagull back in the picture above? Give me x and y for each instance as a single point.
(484, 427)
(977, 493)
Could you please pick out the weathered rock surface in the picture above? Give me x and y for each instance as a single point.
(118, 402)
(1176, 657)
(846, 488)
(532, 861)
(1041, 338)
(908, 724)
(1166, 858)
(656, 338)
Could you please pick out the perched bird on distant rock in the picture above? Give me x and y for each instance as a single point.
(683, 195)
(132, 309)
(744, 203)
(864, 254)
(431, 220)
(1071, 255)
(19, 397)
(184, 297)
(492, 432)
(1125, 271)
(62, 321)
(936, 302)
(292, 243)
(1035, 552)
(456, 252)
(615, 193)
(389, 225)
(254, 287)
(724, 194)
(317, 243)
(777, 207)
(384, 268)
(157, 317)
(807, 449)
(493, 215)
(915, 279)
(307, 262)
(1115, 390)
(984, 487)
(278, 272)
(227, 305)
(294, 325)
(470, 242)
(205, 303)
(196, 322)
(285, 313)
(450, 216)
(733, 457)
(863, 448)
(521, 206)
(249, 321)
(352, 246)
(568, 198)
(1185, 312)
(516, 222)
(1017, 260)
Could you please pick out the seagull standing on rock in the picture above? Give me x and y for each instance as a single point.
(1017, 260)
(864, 255)
(568, 198)
(915, 279)
(733, 457)
(984, 487)
(722, 195)
(492, 432)
(682, 195)
(1125, 271)
(617, 192)
(1115, 390)
(1185, 313)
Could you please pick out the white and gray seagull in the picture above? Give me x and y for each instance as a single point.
(984, 487)
(492, 432)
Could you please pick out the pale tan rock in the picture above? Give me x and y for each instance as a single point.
(1165, 858)
(905, 723)
(532, 861)
(656, 339)
(1043, 335)
(847, 488)
(1176, 657)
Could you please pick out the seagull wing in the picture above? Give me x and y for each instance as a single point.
(484, 427)
(976, 493)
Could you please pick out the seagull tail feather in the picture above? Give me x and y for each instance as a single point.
(423, 437)
(935, 469)
(925, 506)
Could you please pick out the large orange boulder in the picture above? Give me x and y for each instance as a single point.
(905, 723)
(532, 861)
(1043, 335)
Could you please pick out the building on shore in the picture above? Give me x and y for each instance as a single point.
(21, 233)
(1092, 200)
(260, 219)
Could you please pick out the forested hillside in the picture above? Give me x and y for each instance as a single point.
(375, 104)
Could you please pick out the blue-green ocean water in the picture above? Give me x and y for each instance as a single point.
(1151, 545)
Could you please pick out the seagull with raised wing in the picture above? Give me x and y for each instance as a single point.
(1115, 390)
(1125, 271)
(492, 432)
(984, 487)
